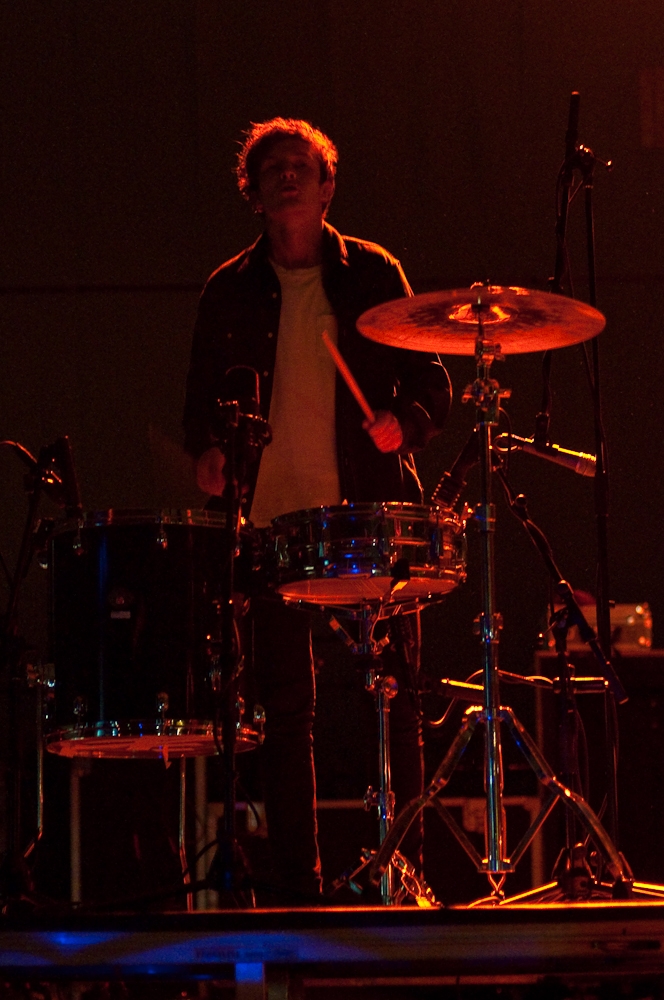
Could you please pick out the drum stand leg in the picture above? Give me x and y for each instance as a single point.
(399, 876)
(384, 689)
(182, 825)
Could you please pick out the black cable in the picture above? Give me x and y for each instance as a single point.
(438, 723)
(5, 570)
(505, 459)
(587, 366)
(28, 459)
(26, 456)
(567, 273)
(583, 758)
(250, 804)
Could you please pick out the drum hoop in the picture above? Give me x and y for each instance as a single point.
(137, 517)
(146, 739)
(388, 508)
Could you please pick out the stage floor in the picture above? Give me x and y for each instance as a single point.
(249, 951)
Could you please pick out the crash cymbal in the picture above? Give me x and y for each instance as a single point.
(519, 319)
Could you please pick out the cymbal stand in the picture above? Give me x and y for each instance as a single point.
(399, 876)
(487, 394)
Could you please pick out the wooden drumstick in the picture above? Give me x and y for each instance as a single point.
(348, 377)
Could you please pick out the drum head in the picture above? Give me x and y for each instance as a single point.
(363, 588)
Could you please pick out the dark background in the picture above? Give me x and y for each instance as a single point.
(120, 125)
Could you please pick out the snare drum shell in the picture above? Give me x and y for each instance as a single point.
(132, 606)
(353, 553)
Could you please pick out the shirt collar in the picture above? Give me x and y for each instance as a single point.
(334, 250)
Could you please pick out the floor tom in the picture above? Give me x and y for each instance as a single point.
(134, 633)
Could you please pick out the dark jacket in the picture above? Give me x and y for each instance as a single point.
(238, 322)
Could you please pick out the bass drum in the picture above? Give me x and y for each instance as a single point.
(394, 553)
(134, 630)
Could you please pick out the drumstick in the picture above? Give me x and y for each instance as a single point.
(348, 378)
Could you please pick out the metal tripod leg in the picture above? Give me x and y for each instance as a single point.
(186, 875)
(400, 826)
(575, 803)
(385, 689)
(545, 775)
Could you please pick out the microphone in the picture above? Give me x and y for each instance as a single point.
(241, 385)
(238, 417)
(577, 461)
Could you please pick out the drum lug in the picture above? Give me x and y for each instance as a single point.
(77, 544)
(374, 798)
(214, 673)
(80, 711)
(281, 552)
(40, 541)
(259, 722)
(371, 798)
(37, 673)
(239, 707)
(41, 676)
(162, 705)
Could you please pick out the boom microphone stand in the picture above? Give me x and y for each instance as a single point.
(579, 158)
(52, 473)
(242, 437)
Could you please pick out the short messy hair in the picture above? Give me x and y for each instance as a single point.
(262, 135)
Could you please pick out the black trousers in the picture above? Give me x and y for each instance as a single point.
(278, 647)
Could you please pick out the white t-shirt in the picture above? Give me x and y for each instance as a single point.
(299, 468)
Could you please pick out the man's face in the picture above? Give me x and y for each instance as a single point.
(289, 183)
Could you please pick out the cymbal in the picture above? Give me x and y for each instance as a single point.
(519, 319)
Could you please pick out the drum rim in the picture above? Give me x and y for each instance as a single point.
(148, 729)
(151, 516)
(388, 507)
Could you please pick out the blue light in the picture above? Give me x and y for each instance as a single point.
(249, 972)
(79, 939)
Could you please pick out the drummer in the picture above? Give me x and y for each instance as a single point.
(267, 308)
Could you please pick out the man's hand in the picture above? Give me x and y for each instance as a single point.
(385, 431)
(210, 472)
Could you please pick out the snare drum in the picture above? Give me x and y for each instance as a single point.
(369, 552)
(134, 610)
